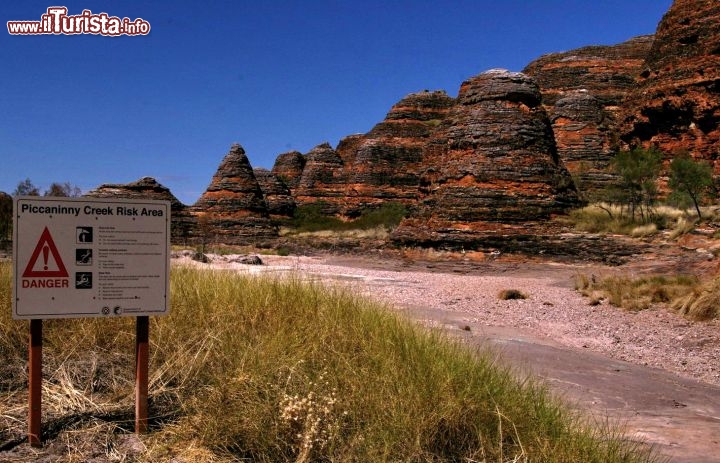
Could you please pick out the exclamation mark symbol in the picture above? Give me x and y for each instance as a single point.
(46, 252)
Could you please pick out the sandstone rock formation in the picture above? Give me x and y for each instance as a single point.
(388, 160)
(584, 139)
(278, 199)
(492, 166)
(676, 105)
(232, 209)
(288, 168)
(323, 180)
(608, 72)
(583, 91)
(182, 223)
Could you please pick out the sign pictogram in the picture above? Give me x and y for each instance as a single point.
(46, 247)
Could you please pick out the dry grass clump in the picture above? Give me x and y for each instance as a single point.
(279, 370)
(644, 230)
(608, 218)
(508, 294)
(635, 293)
(703, 302)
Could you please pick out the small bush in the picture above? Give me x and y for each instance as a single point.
(507, 294)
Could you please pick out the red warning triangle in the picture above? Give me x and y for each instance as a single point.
(45, 246)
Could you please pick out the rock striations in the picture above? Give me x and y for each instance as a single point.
(322, 181)
(278, 199)
(148, 188)
(676, 105)
(492, 166)
(583, 91)
(288, 168)
(389, 159)
(232, 209)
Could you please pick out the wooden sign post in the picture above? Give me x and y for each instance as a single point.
(142, 337)
(35, 384)
(89, 257)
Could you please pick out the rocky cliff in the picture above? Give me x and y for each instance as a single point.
(676, 105)
(232, 210)
(182, 222)
(278, 199)
(492, 166)
(288, 168)
(583, 91)
(323, 180)
(389, 159)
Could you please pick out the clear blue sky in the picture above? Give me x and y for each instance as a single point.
(272, 76)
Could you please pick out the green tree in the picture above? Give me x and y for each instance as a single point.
(6, 206)
(63, 190)
(690, 179)
(638, 171)
(26, 188)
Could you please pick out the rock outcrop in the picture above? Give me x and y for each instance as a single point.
(182, 222)
(676, 106)
(232, 209)
(323, 180)
(388, 160)
(492, 166)
(584, 139)
(278, 199)
(288, 168)
(607, 72)
(583, 91)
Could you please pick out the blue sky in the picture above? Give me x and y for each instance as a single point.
(272, 76)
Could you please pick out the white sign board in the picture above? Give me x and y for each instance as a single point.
(87, 257)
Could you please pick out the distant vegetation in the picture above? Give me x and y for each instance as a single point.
(27, 188)
(629, 205)
(269, 370)
(310, 218)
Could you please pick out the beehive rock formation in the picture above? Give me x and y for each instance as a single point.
(388, 160)
(583, 91)
(676, 106)
(182, 222)
(232, 209)
(607, 72)
(288, 168)
(492, 166)
(278, 199)
(585, 139)
(323, 180)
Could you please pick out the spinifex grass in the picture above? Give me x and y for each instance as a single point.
(264, 369)
(638, 293)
